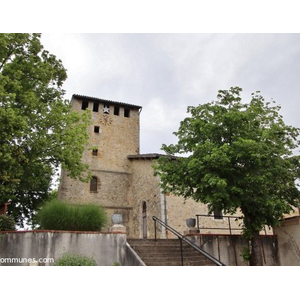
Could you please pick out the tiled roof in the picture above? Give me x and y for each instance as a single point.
(81, 97)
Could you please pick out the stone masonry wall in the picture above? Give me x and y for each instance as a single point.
(118, 137)
(144, 189)
(178, 210)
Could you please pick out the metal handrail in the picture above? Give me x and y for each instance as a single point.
(184, 239)
(217, 228)
(230, 229)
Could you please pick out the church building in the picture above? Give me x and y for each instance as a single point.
(123, 180)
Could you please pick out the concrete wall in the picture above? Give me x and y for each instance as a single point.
(288, 235)
(106, 249)
(229, 248)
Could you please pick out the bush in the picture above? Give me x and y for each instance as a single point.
(70, 259)
(58, 215)
(7, 223)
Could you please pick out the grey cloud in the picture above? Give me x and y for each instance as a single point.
(167, 72)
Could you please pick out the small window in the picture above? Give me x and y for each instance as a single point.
(126, 112)
(84, 105)
(95, 152)
(93, 184)
(96, 129)
(218, 214)
(96, 107)
(116, 110)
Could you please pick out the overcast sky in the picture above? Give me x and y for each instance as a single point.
(165, 73)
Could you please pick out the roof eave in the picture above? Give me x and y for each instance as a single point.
(149, 156)
(82, 97)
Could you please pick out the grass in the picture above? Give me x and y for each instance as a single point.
(59, 215)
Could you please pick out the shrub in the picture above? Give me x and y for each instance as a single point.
(70, 259)
(7, 223)
(58, 215)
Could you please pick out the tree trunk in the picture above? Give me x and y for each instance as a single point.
(256, 256)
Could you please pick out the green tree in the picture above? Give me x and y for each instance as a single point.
(237, 156)
(38, 130)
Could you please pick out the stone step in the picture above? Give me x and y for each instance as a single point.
(177, 262)
(185, 247)
(167, 252)
(167, 249)
(152, 242)
(159, 243)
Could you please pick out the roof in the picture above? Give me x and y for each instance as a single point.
(94, 99)
(148, 156)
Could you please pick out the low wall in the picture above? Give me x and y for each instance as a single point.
(288, 235)
(23, 248)
(229, 248)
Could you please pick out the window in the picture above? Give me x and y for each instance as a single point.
(116, 110)
(93, 184)
(96, 107)
(218, 214)
(84, 105)
(95, 152)
(96, 129)
(126, 112)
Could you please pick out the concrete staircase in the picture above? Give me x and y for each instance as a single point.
(166, 252)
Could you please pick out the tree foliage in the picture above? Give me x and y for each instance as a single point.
(7, 223)
(38, 130)
(238, 156)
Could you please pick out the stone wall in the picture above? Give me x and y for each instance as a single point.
(118, 136)
(144, 189)
(179, 209)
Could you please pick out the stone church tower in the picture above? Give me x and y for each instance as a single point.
(123, 180)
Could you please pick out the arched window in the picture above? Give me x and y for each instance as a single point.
(93, 184)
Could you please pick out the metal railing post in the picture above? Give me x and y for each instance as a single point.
(229, 225)
(155, 229)
(181, 251)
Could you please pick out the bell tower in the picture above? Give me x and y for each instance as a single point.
(114, 132)
(113, 136)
